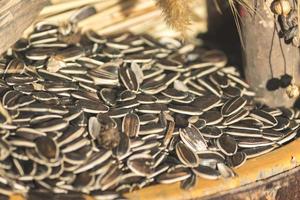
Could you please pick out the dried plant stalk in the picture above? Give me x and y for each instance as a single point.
(178, 13)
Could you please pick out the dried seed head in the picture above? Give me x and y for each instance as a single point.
(109, 138)
(72, 38)
(292, 91)
(66, 28)
(55, 63)
(177, 13)
(281, 7)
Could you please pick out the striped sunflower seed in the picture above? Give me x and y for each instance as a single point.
(227, 145)
(186, 155)
(131, 125)
(193, 138)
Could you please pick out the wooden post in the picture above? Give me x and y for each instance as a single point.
(15, 17)
(266, 56)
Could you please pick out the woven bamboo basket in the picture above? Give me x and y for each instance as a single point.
(259, 178)
(115, 16)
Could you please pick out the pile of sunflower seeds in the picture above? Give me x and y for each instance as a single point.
(84, 113)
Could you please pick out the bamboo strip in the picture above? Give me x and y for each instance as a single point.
(58, 1)
(129, 22)
(149, 27)
(50, 10)
(3, 3)
(113, 18)
(122, 9)
(115, 13)
(124, 4)
(155, 27)
(65, 14)
(106, 11)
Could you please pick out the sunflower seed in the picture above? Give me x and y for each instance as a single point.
(237, 159)
(95, 159)
(206, 102)
(129, 79)
(123, 147)
(99, 115)
(264, 117)
(257, 151)
(82, 14)
(193, 138)
(244, 132)
(152, 108)
(185, 109)
(188, 183)
(232, 106)
(186, 156)
(212, 117)
(253, 142)
(174, 94)
(178, 174)
(51, 125)
(227, 145)
(211, 132)
(131, 125)
(206, 172)
(248, 124)
(225, 171)
(46, 148)
(236, 117)
(109, 96)
(92, 106)
(291, 134)
(141, 164)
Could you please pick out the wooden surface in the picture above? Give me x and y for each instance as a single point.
(284, 186)
(276, 162)
(266, 169)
